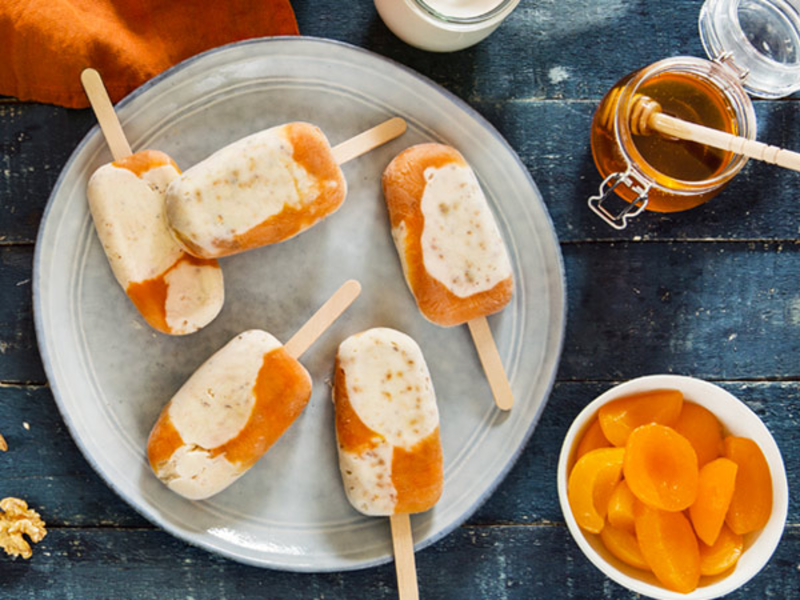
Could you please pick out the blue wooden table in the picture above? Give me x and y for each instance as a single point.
(713, 293)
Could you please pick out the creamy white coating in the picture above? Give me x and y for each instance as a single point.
(193, 473)
(367, 480)
(463, 8)
(215, 403)
(195, 294)
(389, 386)
(461, 244)
(237, 188)
(128, 214)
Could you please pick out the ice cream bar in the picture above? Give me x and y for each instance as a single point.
(453, 257)
(175, 292)
(387, 424)
(262, 189)
(227, 414)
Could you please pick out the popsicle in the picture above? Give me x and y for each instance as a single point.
(175, 292)
(236, 406)
(453, 257)
(265, 188)
(387, 431)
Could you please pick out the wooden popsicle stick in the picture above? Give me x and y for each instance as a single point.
(404, 562)
(492, 365)
(722, 140)
(104, 111)
(369, 140)
(323, 318)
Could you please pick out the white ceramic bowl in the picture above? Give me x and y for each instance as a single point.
(737, 420)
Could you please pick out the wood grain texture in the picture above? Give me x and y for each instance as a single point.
(496, 563)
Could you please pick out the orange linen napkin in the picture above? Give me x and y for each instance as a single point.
(47, 43)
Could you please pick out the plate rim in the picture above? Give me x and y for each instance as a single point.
(153, 517)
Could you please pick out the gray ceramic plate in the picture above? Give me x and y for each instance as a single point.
(111, 374)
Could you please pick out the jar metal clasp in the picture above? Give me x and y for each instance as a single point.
(619, 220)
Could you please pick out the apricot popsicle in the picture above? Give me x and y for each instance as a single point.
(227, 414)
(387, 432)
(175, 292)
(236, 406)
(265, 188)
(387, 424)
(453, 257)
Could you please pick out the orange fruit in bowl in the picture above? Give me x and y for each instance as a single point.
(715, 488)
(620, 417)
(751, 504)
(661, 467)
(590, 485)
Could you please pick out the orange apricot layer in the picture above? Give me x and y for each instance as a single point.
(282, 390)
(150, 296)
(661, 467)
(145, 160)
(620, 417)
(417, 475)
(403, 187)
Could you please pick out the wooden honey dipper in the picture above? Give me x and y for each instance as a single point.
(646, 116)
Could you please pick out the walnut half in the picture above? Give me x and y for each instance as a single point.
(17, 520)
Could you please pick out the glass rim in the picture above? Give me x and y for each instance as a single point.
(481, 18)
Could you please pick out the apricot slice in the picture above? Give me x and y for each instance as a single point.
(669, 546)
(702, 429)
(624, 546)
(590, 485)
(751, 504)
(715, 487)
(723, 554)
(620, 417)
(661, 467)
(592, 439)
(620, 508)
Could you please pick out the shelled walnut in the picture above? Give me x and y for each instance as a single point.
(17, 520)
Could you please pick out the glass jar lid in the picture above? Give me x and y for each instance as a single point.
(759, 39)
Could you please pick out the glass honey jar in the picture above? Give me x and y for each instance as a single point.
(754, 47)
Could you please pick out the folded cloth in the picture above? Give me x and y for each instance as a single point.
(49, 42)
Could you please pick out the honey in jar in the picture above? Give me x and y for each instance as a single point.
(666, 174)
(754, 47)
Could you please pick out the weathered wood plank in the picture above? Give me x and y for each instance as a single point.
(44, 466)
(552, 139)
(35, 142)
(18, 351)
(718, 310)
(497, 563)
(545, 49)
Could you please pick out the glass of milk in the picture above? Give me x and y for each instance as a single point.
(443, 25)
